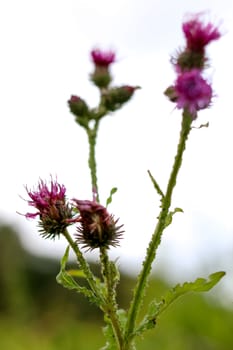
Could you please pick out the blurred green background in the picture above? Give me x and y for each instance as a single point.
(38, 314)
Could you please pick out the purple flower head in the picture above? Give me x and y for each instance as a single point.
(52, 209)
(102, 58)
(192, 91)
(198, 34)
(97, 227)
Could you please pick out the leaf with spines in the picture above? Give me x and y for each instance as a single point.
(66, 280)
(109, 199)
(156, 308)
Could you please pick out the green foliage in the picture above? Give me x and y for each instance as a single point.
(66, 280)
(156, 308)
(169, 217)
(156, 185)
(37, 313)
(109, 199)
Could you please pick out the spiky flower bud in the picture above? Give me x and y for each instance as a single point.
(78, 106)
(54, 213)
(114, 98)
(97, 227)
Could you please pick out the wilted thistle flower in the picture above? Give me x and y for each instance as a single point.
(192, 92)
(97, 227)
(53, 211)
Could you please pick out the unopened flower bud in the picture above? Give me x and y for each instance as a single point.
(114, 98)
(78, 106)
(171, 93)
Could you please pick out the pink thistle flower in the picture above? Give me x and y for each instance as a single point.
(192, 91)
(198, 34)
(53, 211)
(98, 228)
(102, 58)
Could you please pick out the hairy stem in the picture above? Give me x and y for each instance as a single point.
(83, 263)
(92, 135)
(111, 304)
(139, 290)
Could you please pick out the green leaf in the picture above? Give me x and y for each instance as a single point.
(109, 200)
(156, 185)
(76, 273)
(155, 308)
(170, 216)
(65, 279)
(109, 336)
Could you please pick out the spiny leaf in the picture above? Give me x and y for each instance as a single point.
(109, 200)
(155, 308)
(65, 279)
(156, 185)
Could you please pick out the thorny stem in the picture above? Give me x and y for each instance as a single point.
(139, 290)
(92, 135)
(111, 305)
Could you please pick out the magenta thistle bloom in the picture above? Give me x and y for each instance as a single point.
(198, 34)
(97, 227)
(102, 58)
(192, 91)
(52, 209)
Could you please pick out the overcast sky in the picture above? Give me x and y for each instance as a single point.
(45, 47)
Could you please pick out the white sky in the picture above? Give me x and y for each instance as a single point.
(44, 59)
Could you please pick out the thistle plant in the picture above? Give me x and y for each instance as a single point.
(96, 227)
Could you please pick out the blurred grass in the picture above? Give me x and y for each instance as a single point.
(38, 314)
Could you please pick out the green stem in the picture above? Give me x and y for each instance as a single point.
(111, 304)
(83, 263)
(156, 237)
(92, 135)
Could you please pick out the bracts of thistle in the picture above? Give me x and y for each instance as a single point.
(97, 227)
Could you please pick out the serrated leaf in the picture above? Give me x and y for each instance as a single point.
(155, 308)
(109, 199)
(149, 320)
(65, 279)
(199, 285)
